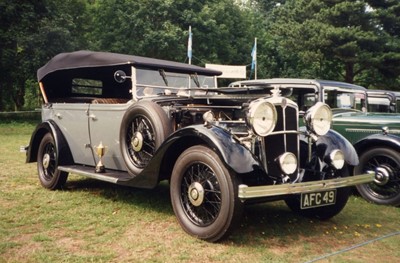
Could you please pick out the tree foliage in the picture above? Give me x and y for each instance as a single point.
(353, 41)
(222, 31)
(336, 39)
(31, 32)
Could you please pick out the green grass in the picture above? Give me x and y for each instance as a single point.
(93, 221)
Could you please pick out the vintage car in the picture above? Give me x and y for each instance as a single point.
(383, 101)
(137, 121)
(375, 136)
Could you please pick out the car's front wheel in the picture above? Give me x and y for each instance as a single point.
(386, 188)
(204, 194)
(49, 175)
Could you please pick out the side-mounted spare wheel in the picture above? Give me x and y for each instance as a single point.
(47, 163)
(144, 127)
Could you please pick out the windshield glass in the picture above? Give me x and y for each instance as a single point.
(159, 82)
(345, 99)
(379, 105)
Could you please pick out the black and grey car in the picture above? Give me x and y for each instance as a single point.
(137, 121)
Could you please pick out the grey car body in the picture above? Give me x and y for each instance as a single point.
(375, 136)
(137, 121)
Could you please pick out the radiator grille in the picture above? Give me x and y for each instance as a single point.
(277, 144)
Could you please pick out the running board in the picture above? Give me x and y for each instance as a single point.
(111, 176)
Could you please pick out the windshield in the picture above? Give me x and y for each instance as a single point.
(160, 82)
(345, 99)
(379, 105)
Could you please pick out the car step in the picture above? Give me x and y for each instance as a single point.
(111, 176)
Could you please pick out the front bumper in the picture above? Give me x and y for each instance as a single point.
(248, 192)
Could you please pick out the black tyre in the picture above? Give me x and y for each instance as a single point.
(324, 212)
(204, 194)
(386, 189)
(144, 127)
(50, 177)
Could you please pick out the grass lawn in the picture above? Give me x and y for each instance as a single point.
(92, 221)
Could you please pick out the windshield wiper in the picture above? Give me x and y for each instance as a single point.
(195, 78)
(164, 76)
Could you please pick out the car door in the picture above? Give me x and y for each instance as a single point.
(105, 122)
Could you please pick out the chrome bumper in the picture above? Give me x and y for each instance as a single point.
(248, 192)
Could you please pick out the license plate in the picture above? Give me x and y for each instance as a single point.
(316, 199)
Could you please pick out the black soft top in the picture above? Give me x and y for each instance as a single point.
(91, 59)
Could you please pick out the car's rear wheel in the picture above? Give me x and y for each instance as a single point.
(204, 194)
(323, 212)
(144, 127)
(386, 188)
(49, 175)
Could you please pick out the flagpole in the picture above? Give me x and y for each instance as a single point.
(254, 60)
(255, 63)
(189, 50)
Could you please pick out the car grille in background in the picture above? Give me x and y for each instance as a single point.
(277, 144)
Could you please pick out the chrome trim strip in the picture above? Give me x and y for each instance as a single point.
(390, 131)
(248, 192)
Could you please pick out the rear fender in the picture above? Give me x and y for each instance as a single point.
(62, 147)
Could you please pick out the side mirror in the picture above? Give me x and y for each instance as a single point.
(120, 76)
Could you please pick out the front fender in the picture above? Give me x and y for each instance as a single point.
(334, 140)
(378, 140)
(62, 148)
(236, 157)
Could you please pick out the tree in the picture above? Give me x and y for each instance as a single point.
(31, 32)
(222, 31)
(335, 39)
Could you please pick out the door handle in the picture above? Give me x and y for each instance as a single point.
(93, 117)
(58, 115)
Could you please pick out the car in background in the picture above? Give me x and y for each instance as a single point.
(383, 101)
(137, 121)
(375, 136)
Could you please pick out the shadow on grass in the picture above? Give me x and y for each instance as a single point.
(157, 198)
(260, 222)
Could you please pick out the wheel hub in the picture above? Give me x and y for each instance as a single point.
(137, 142)
(196, 194)
(382, 175)
(46, 161)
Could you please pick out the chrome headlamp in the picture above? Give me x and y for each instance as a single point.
(318, 118)
(261, 117)
(336, 159)
(288, 163)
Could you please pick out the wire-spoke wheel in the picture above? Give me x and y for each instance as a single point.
(204, 194)
(385, 190)
(144, 128)
(141, 140)
(50, 177)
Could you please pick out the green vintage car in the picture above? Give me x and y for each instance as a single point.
(383, 101)
(375, 136)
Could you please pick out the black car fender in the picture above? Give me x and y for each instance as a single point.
(331, 141)
(378, 140)
(236, 156)
(62, 147)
